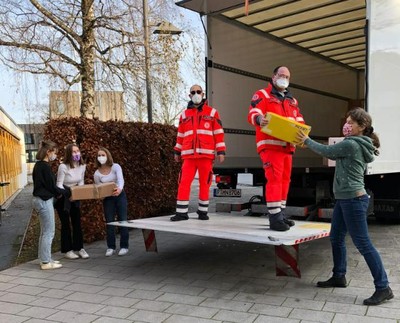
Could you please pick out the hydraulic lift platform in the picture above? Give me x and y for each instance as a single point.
(239, 228)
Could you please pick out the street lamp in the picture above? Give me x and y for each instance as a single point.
(164, 28)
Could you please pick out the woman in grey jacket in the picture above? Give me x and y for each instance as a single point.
(350, 212)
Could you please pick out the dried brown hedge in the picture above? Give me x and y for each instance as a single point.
(144, 152)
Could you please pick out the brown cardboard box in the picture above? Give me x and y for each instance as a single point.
(92, 191)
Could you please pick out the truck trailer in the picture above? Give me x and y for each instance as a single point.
(341, 54)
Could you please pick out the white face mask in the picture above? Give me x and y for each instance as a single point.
(282, 83)
(102, 159)
(196, 98)
(52, 157)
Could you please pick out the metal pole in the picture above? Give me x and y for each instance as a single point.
(147, 62)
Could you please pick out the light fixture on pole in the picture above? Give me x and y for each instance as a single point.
(163, 28)
(147, 62)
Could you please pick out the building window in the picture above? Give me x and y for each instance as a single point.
(31, 155)
(29, 139)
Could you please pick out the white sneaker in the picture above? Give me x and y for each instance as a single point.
(55, 261)
(109, 252)
(123, 252)
(50, 265)
(83, 254)
(71, 255)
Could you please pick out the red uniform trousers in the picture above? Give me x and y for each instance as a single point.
(278, 168)
(189, 168)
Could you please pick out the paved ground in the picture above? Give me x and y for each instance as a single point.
(197, 279)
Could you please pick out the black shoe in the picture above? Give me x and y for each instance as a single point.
(279, 226)
(333, 282)
(179, 217)
(379, 297)
(202, 215)
(290, 223)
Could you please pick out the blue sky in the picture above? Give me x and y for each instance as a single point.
(21, 94)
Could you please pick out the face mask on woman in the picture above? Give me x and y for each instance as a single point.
(76, 157)
(347, 129)
(102, 159)
(52, 157)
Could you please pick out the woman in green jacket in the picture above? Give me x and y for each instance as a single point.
(350, 212)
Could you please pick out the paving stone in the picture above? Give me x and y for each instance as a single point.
(227, 304)
(28, 290)
(152, 305)
(149, 316)
(234, 316)
(257, 298)
(345, 308)
(86, 297)
(188, 319)
(71, 316)
(47, 302)
(12, 318)
(182, 289)
(273, 319)
(303, 303)
(121, 301)
(277, 311)
(17, 298)
(80, 307)
(190, 310)
(311, 315)
(181, 299)
(11, 308)
(38, 312)
(349, 318)
(116, 311)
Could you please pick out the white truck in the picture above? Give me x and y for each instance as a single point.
(341, 54)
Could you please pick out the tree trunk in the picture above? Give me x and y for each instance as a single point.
(87, 59)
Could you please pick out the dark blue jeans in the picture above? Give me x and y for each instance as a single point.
(350, 215)
(116, 205)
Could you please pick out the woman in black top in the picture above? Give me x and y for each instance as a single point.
(44, 192)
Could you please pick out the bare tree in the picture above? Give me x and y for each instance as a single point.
(92, 44)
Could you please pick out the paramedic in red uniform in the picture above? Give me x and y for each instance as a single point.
(276, 155)
(200, 137)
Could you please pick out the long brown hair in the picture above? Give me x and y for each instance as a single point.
(364, 119)
(45, 146)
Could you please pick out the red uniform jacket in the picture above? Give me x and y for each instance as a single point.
(200, 133)
(269, 100)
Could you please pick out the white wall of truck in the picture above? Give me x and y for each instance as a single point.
(241, 59)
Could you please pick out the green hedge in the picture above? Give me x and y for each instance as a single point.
(145, 153)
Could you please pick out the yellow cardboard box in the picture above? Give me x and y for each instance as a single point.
(92, 191)
(283, 128)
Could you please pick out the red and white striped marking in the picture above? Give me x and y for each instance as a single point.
(287, 261)
(150, 242)
(318, 236)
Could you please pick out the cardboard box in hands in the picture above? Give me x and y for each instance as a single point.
(92, 191)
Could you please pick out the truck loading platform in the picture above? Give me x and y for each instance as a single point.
(239, 228)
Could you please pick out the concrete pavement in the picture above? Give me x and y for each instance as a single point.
(198, 279)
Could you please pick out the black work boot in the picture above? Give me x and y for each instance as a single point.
(333, 282)
(179, 217)
(277, 223)
(286, 219)
(202, 215)
(379, 297)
